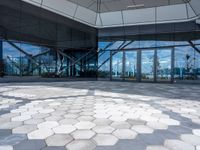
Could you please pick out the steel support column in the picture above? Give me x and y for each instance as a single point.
(155, 65)
(139, 57)
(172, 64)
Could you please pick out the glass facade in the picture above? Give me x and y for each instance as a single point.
(164, 59)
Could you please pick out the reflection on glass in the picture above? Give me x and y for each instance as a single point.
(117, 65)
(187, 64)
(164, 65)
(147, 67)
(104, 64)
(131, 65)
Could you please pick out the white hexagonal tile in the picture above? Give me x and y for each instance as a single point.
(142, 129)
(58, 140)
(40, 134)
(83, 134)
(81, 145)
(120, 125)
(157, 125)
(178, 145)
(21, 118)
(105, 139)
(168, 121)
(6, 147)
(156, 147)
(64, 129)
(84, 125)
(103, 129)
(24, 129)
(47, 125)
(191, 139)
(196, 132)
(125, 134)
(68, 121)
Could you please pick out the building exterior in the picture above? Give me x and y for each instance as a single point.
(127, 40)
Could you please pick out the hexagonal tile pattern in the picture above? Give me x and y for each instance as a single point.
(142, 129)
(125, 134)
(157, 147)
(48, 125)
(99, 115)
(24, 129)
(84, 125)
(64, 129)
(83, 134)
(6, 147)
(58, 140)
(105, 139)
(178, 145)
(40, 134)
(81, 145)
(103, 129)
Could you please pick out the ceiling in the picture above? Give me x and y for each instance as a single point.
(117, 5)
(114, 13)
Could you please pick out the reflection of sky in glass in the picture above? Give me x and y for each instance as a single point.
(9, 50)
(164, 58)
(131, 61)
(180, 56)
(102, 45)
(147, 61)
(116, 45)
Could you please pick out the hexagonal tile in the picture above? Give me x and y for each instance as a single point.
(103, 129)
(21, 118)
(196, 132)
(68, 121)
(64, 129)
(178, 145)
(157, 147)
(6, 147)
(11, 125)
(191, 139)
(142, 129)
(40, 134)
(102, 122)
(85, 118)
(157, 125)
(33, 121)
(47, 125)
(125, 134)
(24, 129)
(105, 139)
(81, 145)
(58, 140)
(120, 125)
(83, 134)
(168, 121)
(84, 125)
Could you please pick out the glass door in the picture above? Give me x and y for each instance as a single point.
(117, 65)
(164, 65)
(147, 65)
(130, 69)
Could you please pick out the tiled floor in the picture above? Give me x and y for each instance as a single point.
(99, 115)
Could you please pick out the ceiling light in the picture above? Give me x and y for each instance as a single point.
(135, 6)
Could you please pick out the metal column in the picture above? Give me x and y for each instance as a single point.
(139, 57)
(1, 50)
(172, 65)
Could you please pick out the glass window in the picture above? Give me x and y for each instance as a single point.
(147, 67)
(164, 64)
(131, 65)
(117, 64)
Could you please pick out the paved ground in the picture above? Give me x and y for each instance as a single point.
(99, 115)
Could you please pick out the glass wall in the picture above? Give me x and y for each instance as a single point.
(147, 69)
(130, 65)
(117, 65)
(164, 64)
(156, 58)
